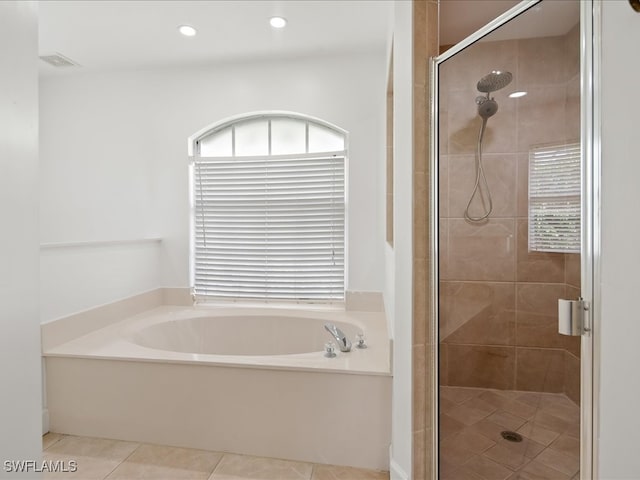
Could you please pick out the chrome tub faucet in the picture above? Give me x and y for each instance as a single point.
(343, 342)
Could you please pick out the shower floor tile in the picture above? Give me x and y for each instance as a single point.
(103, 459)
(471, 444)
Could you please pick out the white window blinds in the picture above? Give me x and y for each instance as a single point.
(554, 198)
(270, 226)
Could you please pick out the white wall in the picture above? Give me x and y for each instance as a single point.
(20, 400)
(620, 334)
(96, 185)
(114, 155)
(78, 278)
(401, 258)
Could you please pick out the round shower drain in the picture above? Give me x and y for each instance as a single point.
(511, 436)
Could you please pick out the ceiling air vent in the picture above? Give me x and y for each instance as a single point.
(58, 60)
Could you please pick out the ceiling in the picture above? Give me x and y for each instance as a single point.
(108, 35)
(139, 34)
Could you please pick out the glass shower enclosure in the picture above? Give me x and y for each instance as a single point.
(508, 163)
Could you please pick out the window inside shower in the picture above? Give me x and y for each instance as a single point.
(509, 383)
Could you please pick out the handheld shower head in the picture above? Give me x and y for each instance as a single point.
(488, 107)
(494, 81)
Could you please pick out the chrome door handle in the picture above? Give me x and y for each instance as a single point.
(572, 317)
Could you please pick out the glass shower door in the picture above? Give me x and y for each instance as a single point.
(509, 220)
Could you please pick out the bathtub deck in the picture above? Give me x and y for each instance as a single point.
(103, 459)
(114, 342)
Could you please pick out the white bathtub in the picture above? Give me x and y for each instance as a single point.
(243, 380)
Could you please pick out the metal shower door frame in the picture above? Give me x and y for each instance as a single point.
(590, 128)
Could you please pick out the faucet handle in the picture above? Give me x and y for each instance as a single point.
(360, 341)
(329, 349)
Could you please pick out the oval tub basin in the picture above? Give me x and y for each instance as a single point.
(240, 335)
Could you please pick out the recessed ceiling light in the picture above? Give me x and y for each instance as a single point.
(278, 22)
(517, 94)
(187, 30)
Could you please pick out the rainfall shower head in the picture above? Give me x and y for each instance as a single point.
(494, 81)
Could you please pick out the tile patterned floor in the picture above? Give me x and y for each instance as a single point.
(471, 447)
(101, 459)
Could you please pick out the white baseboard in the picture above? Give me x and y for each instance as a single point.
(395, 471)
(45, 420)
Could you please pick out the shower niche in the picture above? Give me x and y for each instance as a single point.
(508, 180)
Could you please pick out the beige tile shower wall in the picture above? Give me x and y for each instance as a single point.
(498, 301)
(425, 45)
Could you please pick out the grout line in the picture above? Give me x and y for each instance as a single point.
(216, 465)
(56, 441)
(121, 462)
(505, 282)
(515, 359)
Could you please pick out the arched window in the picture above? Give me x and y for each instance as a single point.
(268, 196)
